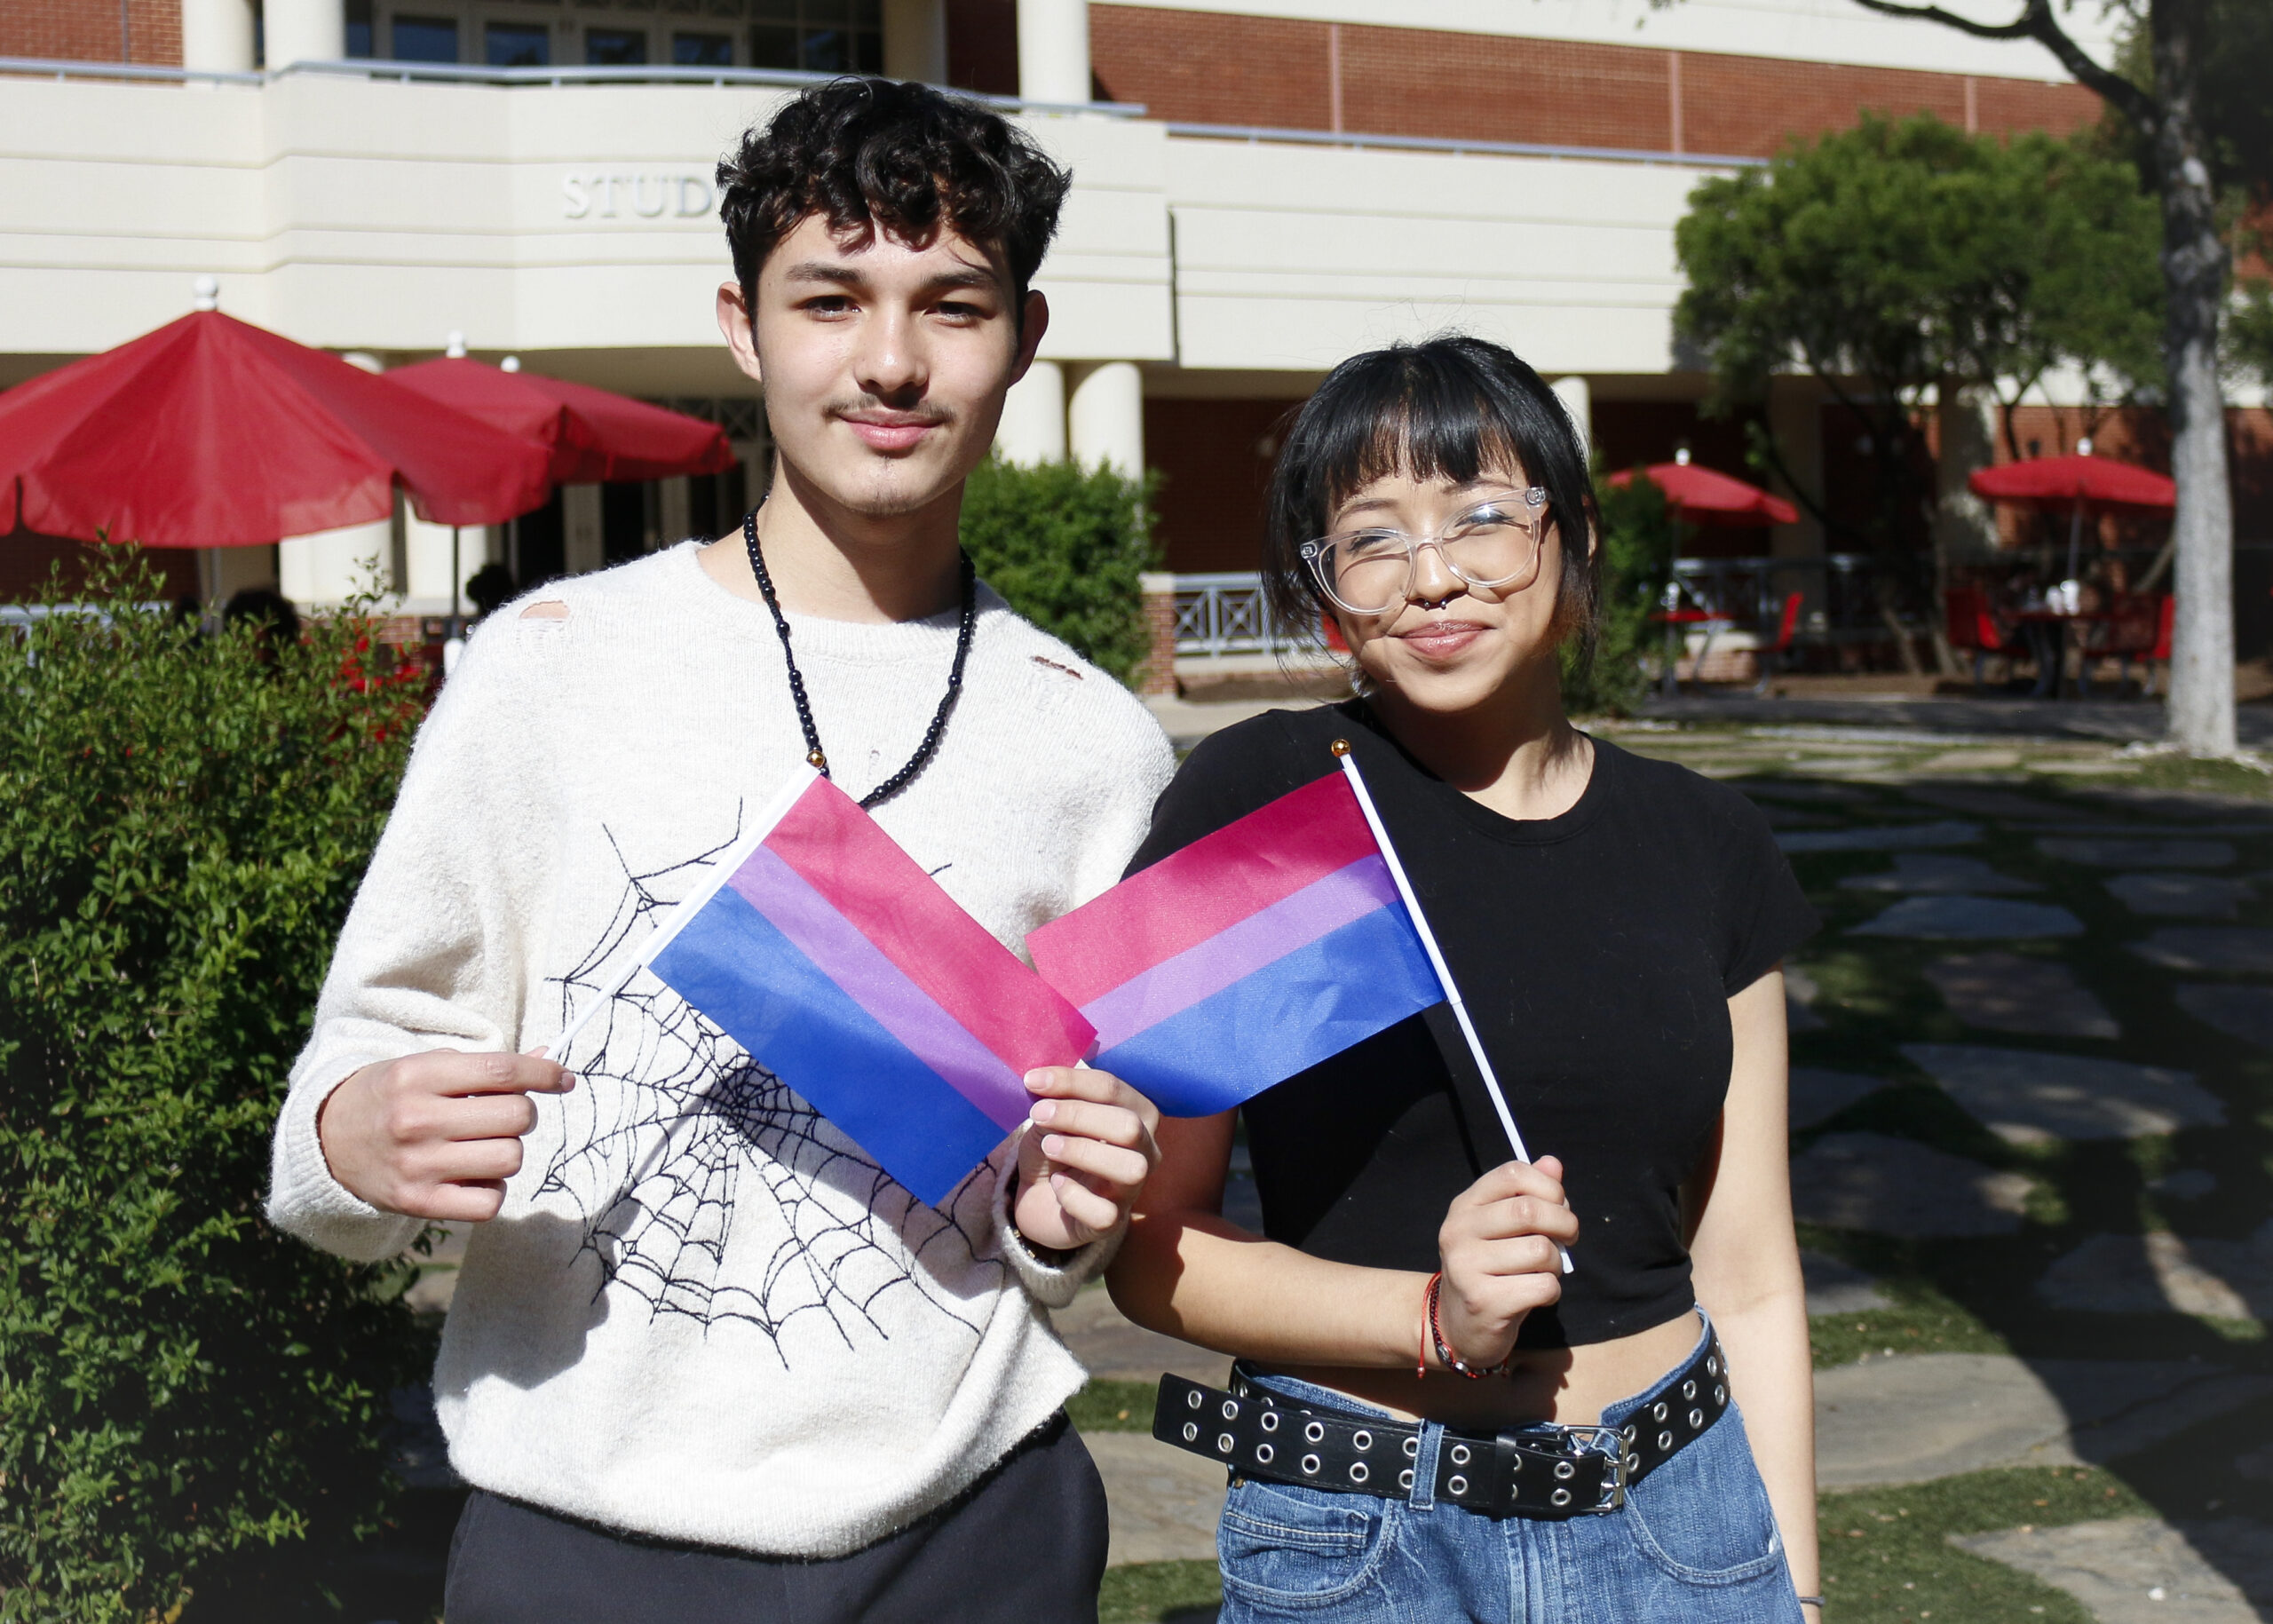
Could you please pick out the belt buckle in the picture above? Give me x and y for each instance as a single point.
(1572, 1442)
(1610, 1444)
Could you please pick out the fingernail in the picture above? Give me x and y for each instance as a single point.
(1052, 1143)
(1044, 1111)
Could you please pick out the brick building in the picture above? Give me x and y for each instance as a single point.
(1262, 186)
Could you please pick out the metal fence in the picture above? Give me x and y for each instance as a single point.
(1225, 613)
(1840, 593)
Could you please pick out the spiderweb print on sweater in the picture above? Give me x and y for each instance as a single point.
(671, 1124)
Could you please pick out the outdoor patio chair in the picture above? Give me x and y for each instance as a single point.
(1778, 657)
(1971, 625)
(2141, 631)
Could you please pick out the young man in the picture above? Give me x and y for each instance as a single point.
(706, 1361)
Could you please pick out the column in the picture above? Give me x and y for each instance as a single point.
(1054, 50)
(1106, 418)
(326, 568)
(584, 544)
(915, 40)
(216, 35)
(674, 509)
(304, 31)
(426, 555)
(1157, 673)
(1577, 398)
(1964, 526)
(1032, 429)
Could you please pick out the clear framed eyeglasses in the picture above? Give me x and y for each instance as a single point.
(1494, 544)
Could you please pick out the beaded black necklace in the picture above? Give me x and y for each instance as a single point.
(924, 751)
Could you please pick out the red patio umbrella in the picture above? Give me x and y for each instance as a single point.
(2075, 486)
(2064, 484)
(211, 432)
(1701, 496)
(593, 435)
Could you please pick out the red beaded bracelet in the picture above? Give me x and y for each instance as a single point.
(1445, 1355)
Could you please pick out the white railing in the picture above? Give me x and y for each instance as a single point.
(1456, 147)
(459, 73)
(1225, 613)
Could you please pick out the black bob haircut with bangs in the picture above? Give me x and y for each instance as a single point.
(1452, 408)
(869, 155)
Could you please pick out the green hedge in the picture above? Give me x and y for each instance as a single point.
(1637, 541)
(1064, 544)
(183, 822)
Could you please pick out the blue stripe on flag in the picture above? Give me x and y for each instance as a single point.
(1284, 1018)
(731, 962)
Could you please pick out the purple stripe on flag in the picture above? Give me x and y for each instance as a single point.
(1202, 970)
(881, 987)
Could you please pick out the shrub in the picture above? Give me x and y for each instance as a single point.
(1637, 541)
(183, 822)
(1064, 544)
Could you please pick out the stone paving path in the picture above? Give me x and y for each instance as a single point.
(1916, 1417)
(2180, 896)
(1927, 873)
(2233, 949)
(2136, 1569)
(1889, 1186)
(2003, 992)
(1971, 919)
(2103, 853)
(1818, 1093)
(2243, 1012)
(2031, 1098)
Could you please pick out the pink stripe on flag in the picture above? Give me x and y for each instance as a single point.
(1232, 955)
(1210, 886)
(861, 872)
(839, 951)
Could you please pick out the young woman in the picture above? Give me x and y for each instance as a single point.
(1429, 1418)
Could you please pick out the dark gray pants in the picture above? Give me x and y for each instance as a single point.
(1026, 1543)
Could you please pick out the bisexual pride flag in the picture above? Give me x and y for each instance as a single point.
(1251, 954)
(825, 950)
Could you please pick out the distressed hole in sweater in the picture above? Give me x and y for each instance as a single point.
(1053, 666)
(550, 609)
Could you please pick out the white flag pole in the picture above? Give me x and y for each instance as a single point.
(1436, 955)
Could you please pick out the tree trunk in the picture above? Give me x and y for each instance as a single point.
(1965, 531)
(2201, 716)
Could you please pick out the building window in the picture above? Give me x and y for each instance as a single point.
(825, 37)
(615, 47)
(702, 50)
(518, 44)
(358, 18)
(425, 39)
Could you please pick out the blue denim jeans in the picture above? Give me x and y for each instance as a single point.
(1695, 1544)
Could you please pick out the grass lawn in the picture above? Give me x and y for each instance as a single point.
(1147, 1591)
(1886, 1559)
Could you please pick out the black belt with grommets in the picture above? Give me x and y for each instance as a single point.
(1548, 1471)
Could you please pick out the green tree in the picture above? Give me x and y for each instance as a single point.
(2176, 115)
(1636, 560)
(1065, 545)
(1898, 261)
(183, 820)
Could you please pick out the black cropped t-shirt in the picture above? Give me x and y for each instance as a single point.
(1597, 953)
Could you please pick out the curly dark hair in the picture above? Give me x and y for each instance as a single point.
(869, 153)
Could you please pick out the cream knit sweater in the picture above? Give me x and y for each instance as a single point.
(703, 1314)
